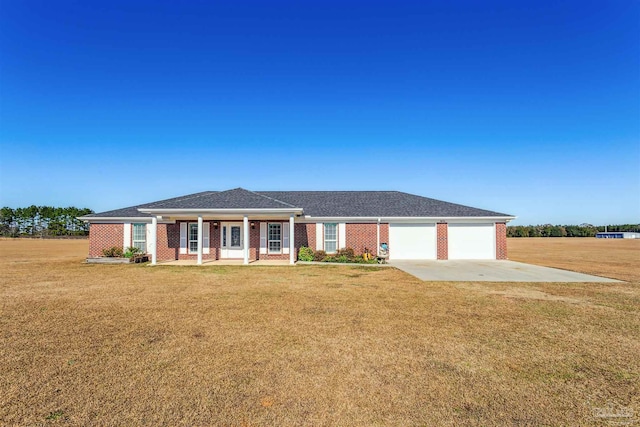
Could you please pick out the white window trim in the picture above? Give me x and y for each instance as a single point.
(189, 251)
(324, 237)
(269, 251)
(223, 236)
(144, 234)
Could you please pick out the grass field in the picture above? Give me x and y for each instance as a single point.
(614, 258)
(86, 344)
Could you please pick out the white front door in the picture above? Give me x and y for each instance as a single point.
(231, 240)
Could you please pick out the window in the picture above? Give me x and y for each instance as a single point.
(235, 236)
(140, 237)
(275, 238)
(330, 238)
(193, 238)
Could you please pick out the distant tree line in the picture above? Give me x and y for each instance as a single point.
(43, 221)
(582, 230)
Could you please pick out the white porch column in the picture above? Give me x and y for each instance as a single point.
(292, 246)
(154, 240)
(246, 239)
(199, 262)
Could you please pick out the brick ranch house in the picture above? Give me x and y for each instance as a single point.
(273, 225)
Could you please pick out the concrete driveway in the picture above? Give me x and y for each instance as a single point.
(490, 271)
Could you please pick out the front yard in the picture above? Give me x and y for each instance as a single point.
(88, 344)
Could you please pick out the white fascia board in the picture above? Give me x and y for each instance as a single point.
(210, 212)
(475, 219)
(118, 220)
(408, 219)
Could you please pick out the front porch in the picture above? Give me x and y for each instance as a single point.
(263, 237)
(221, 262)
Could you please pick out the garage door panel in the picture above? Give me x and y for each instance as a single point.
(471, 241)
(412, 241)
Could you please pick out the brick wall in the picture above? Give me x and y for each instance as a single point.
(384, 234)
(305, 235)
(501, 240)
(168, 241)
(443, 240)
(363, 236)
(103, 236)
(214, 240)
(359, 237)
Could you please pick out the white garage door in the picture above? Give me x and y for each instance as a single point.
(412, 241)
(471, 241)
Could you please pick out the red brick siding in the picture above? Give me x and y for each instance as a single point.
(305, 235)
(384, 234)
(254, 242)
(103, 236)
(501, 240)
(358, 237)
(363, 236)
(168, 241)
(214, 239)
(443, 240)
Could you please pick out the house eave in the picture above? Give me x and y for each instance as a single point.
(226, 212)
(408, 219)
(121, 219)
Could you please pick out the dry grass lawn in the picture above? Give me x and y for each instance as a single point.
(614, 258)
(86, 344)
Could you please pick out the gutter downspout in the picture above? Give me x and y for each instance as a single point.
(378, 238)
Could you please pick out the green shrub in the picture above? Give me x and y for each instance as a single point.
(131, 252)
(342, 259)
(319, 255)
(347, 253)
(112, 252)
(305, 254)
(361, 260)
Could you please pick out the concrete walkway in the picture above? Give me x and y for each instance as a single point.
(219, 262)
(491, 271)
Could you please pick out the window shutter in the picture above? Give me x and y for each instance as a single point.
(183, 237)
(263, 237)
(319, 236)
(342, 235)
(126, 243)
(285, 237)
(205, 238)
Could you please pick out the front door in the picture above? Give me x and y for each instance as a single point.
(231, 240)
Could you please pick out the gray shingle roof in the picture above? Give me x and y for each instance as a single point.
(238, 198)
(374, 204)
(132, 211)
(314, 203)
(129, 212)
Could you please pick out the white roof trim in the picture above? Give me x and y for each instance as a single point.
(172, 212)
(425, 219)
(121, 219)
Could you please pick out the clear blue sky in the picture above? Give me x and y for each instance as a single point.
(526, 107)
